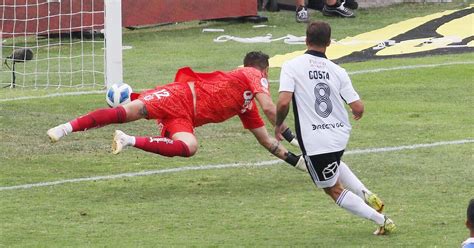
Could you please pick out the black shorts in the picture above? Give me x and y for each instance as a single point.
(323, 168)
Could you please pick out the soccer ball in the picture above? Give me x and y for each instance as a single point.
(118, 94)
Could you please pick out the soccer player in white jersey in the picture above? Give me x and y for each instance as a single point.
(469, 243)
(319, 90)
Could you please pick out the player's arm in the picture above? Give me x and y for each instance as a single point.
(350, 96)
(277, 149)
(269, 109)
(357, 108)
(283, 106)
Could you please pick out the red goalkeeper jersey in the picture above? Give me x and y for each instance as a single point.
(222, 95)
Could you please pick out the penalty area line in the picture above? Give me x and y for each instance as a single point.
(223, 166)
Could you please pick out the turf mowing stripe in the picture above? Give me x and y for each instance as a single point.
(221, 166)
(408, 67)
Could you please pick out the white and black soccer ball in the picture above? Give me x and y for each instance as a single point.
(118, 94)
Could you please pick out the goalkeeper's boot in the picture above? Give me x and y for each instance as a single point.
(387, 227)
(120, 141)
(57, 132)
(374, 201)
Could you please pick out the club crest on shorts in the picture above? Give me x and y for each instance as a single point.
(330, 171)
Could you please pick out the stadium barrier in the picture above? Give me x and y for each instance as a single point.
(135, 13)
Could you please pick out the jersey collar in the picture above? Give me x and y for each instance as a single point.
(316, 53)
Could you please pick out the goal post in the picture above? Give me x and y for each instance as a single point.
(60, 43)
(113, 42)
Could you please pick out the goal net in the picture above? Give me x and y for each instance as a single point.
(56, 43)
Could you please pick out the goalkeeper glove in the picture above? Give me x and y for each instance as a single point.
(301, 165)
(290, 137)
(296, 161)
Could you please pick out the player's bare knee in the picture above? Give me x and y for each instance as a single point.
(188, 140)
(334, 191)
(191, 146)
(192, 150)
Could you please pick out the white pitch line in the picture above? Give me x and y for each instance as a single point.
(142, 173)
(53, 95)
(409, 67)
(376, 70)
(222, 166)
(410, 147)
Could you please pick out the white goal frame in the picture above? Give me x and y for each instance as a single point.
(101, 58)
(113, 42)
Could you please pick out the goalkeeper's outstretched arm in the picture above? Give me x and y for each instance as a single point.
(277, 149)
(269, 109)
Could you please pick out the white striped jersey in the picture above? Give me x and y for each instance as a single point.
(321, 90)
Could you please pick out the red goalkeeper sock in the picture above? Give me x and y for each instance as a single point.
(163, 146)
(99, 118)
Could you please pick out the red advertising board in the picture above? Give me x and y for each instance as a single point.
(146, 12)
(39, 16)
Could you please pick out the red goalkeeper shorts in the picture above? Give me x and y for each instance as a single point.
(172, 106)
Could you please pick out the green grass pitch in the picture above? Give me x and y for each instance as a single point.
(426, 190)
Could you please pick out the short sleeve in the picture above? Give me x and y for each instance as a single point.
(287, 81)
(257, 82)
(251, 118)
(347, 90)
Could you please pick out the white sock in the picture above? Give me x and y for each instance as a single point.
(67, 128)
(350, 181)
(354, 204)
(128, 140)
(131, 140)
